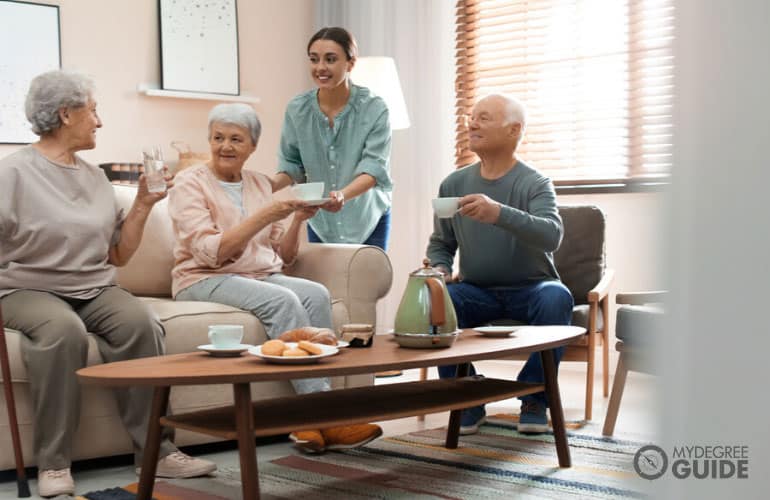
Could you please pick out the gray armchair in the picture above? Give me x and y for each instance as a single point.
(580, 261)
(638, 324)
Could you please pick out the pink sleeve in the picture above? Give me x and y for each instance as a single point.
(194, 226)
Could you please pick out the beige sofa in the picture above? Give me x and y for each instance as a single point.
(356, 276)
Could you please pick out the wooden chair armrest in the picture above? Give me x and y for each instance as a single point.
(640, 298)
(602, 288)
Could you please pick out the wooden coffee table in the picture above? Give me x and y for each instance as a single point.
(246, 419)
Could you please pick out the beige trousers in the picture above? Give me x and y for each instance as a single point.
(55, 346)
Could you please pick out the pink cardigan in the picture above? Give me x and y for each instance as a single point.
(201, 211)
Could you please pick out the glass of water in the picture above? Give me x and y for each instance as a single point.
(152, 157)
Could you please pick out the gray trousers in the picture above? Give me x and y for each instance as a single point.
(280, 302)
(54, 346)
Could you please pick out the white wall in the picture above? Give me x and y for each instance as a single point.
(116, 42)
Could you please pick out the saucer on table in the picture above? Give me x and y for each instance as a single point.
(224, 352)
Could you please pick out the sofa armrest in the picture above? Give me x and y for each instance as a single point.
(359, 275)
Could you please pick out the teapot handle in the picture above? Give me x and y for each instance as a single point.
(437, 309)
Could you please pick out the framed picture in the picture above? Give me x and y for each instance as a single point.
(199, 46)
(32, 31)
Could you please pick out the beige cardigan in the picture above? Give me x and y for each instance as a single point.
(201, 212)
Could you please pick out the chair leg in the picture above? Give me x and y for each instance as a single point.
(423, 377)
(21, 477)
(617, 394)
(606, 346)
(590, 382)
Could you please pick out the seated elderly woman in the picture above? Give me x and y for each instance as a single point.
(231, 248)
(61, 236)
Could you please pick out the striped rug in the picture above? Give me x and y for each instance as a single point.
(497, 463)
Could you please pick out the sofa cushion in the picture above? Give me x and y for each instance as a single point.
(638, 325)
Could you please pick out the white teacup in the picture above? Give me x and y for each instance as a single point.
(446, 207)
(225, 336)
(308, 191)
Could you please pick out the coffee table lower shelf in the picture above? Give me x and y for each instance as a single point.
(351, 406)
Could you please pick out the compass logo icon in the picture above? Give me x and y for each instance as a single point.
(650, 462)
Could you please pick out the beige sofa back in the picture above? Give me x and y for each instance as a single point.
(148, 273)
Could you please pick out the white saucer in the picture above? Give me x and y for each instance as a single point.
(315, 203)
(326, 350)
(498, 331)
(224, 352)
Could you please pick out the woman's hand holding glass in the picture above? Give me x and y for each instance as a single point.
(149, 198)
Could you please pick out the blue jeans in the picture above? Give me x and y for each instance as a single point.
(378, 238)
(545, 303)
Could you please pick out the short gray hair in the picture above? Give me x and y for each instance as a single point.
(238, 114)
(51, 91)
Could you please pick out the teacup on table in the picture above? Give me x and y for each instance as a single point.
(308, 191)
(225, 336)
(446, 207)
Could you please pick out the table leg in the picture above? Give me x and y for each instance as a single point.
(244, 425)
(453, 429)
(557, 414)
(152, 444)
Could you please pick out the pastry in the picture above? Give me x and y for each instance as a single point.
(309, 347)
(273, 347)
(311, 333)
(295, 352)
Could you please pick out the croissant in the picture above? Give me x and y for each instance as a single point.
(310, 333)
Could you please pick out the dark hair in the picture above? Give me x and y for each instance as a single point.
(341, 36)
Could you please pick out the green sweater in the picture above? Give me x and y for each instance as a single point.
(516, 251)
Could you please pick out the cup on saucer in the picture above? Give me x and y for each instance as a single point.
(225, 336)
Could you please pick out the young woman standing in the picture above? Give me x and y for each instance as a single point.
(339, 133)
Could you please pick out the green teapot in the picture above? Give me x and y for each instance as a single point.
(426, 306)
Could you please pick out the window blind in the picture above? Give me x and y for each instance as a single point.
(596, 77)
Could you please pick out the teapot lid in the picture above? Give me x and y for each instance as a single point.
(426, 271)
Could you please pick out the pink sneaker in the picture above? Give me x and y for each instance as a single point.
(178, 465)
(51, 483)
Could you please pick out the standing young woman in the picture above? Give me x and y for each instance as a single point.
(339, 134)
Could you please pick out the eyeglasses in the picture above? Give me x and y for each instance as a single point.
(482, 120)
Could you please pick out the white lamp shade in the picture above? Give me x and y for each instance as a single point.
(380, 76)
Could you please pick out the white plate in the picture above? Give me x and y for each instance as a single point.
(224, 352)
(314, 203)
(498, 331)
(342, 343)
(327, 350)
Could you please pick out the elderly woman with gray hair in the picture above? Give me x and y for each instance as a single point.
(61, 236)
(231, 247)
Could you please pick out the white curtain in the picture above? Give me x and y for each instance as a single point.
(419, 36)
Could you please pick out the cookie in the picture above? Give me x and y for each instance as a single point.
(273, 347)
(309, 347)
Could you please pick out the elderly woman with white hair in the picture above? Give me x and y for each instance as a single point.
(61, 236)
(231, 248)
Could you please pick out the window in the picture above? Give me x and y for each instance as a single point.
(596, 77)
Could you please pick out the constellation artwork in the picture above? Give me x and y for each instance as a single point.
(32, 31)
(199, 46)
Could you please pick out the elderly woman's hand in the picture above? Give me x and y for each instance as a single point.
(279, 210)
(304, 214)
(148, 199)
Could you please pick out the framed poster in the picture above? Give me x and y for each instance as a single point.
(29, 45)
(199, 46)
